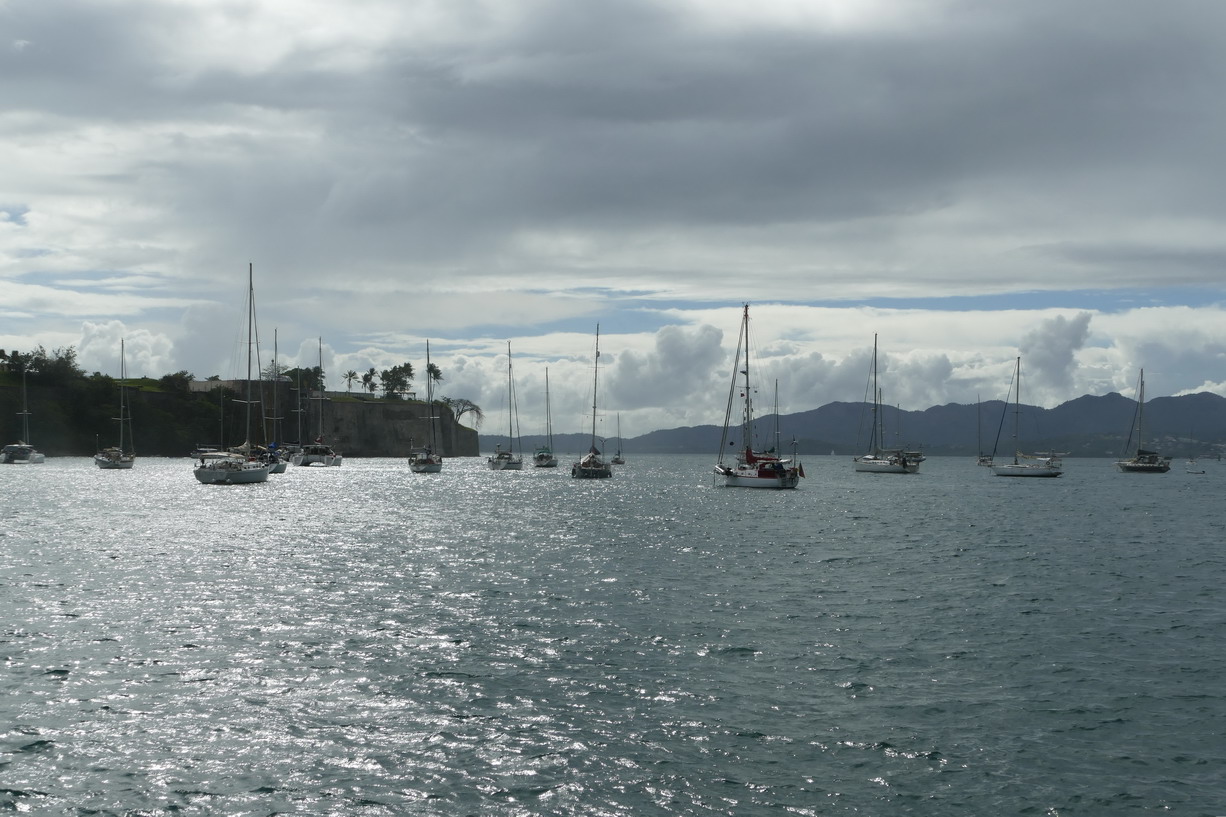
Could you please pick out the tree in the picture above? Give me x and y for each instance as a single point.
(274, 370)
(177, 382)
(396, 379)
(369, 378)
(462, 405)
(350, 378)
(57, 368)
(434, 372)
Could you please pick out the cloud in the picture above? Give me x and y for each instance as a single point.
(1049, 351)
(950, 175)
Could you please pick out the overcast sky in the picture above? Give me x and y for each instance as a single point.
(970, 181)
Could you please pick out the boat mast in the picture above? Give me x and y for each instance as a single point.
(321, 390)
(250, 326)
(1141, 412)
(548, 418)
(25, 410)
(747, 421)
(122, 381)
(595, 375)
(1017, 409)
(778, 450)
(510, 402)
(430, 396)
(876, 433)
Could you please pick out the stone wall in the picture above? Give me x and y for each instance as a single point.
(362, 426)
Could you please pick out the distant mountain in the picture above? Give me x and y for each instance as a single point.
(1089, 426)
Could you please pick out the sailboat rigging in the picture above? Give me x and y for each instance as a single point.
(318, 453)
(618, 459)
(22, 452)
(428, 461)
(883, 460)
(116, 457)
(591, 465)
(1143, 461)
(508, 460)
(751, 468)
(241, 465)
(543, 456)
(1023, 465)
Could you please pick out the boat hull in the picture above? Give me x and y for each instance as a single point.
(548, 461)
(21, 454)
(226, 473)
(1026, 470)
(603, 471)
(114, 462)
(874, 465)
(1132, 467)
(755, 478)
(426, 464)
(505, 464)
(317, 460)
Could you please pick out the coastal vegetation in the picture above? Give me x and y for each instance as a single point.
(71, 410)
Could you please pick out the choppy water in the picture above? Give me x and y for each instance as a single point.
(366, 641)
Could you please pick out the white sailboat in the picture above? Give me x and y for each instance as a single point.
(318, 453)
(883, 460)
(590, 465)
(242, 465)
(428, 461)
(1023, 465)
(22, 452)
(508, 460)
(618, 459)
(1143, 461)
(543, 456)
(117, 457)
(276, 455)
(750, 468)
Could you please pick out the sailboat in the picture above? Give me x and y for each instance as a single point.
(318, 453)
(883, 460)
(590, 465)
(618, 459)
(427, 461)
(242, 465)
(543, 456)
(984, 459)
(276, 455)
(1144, 461)
(22, 452)
(508, 460)
(750, 468)
(1023, 465)
(116, 458)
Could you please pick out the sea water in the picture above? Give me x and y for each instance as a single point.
(364, 640)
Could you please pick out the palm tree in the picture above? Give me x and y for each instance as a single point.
(350, 378)
(434, 372)
(368, 379)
